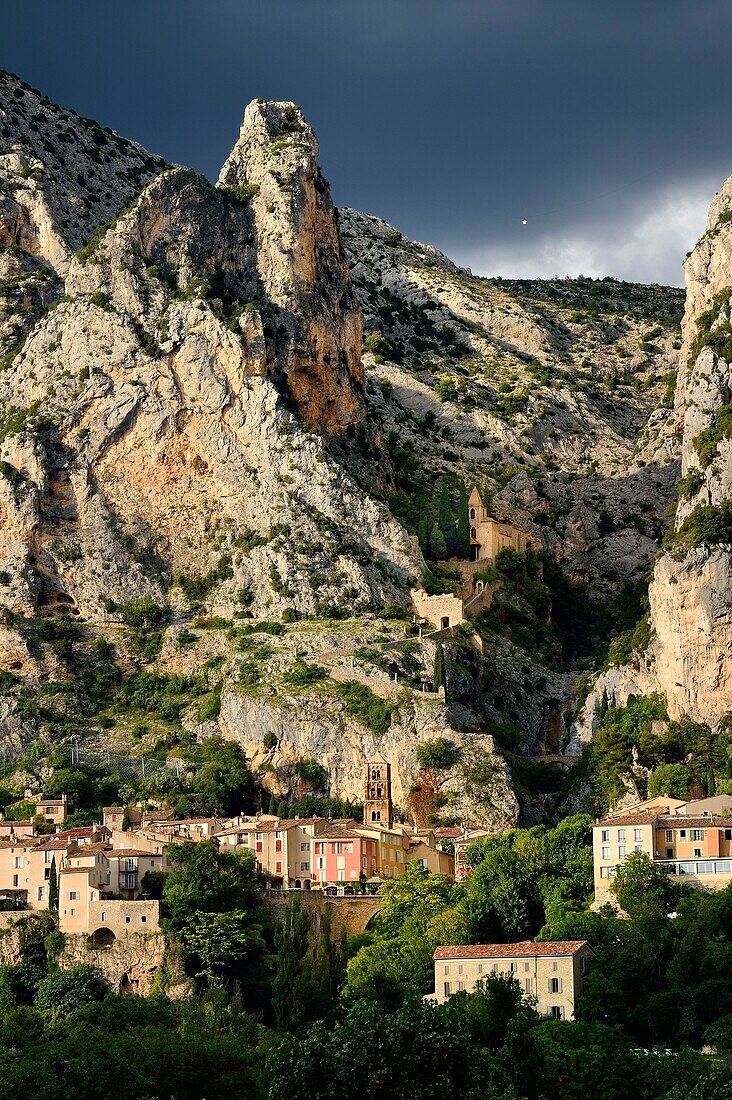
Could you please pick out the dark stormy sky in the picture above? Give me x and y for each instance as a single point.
(605, 123)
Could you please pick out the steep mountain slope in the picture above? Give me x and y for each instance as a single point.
(562, 415)
(203, 482)
(689, 658)
(144, 418)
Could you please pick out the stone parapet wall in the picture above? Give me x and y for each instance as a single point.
(435, 608)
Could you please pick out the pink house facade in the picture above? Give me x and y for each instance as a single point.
(343, 855)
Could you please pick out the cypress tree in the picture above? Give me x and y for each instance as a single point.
(437, 543)
(272, 808)
(462, 548)
(53, 887)
(446, 520)
(423, 534)
(438, 672)
(293, 985)
(281, 809)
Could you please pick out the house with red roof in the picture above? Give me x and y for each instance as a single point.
(552, 973)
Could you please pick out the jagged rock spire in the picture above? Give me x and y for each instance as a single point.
(301, 266)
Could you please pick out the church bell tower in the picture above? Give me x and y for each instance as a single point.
(377, 808)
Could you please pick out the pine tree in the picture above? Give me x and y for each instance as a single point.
(53, 887)
(446, 519)
(329, 969)
(462, 548)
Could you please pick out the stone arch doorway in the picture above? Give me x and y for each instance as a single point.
(102, 937)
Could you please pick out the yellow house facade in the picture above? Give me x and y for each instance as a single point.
(553, 973)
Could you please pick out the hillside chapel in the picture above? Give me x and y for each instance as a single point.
(488, 536)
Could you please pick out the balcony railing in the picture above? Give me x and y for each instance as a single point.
(683, 867)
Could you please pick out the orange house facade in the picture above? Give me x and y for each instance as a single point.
(697, 850)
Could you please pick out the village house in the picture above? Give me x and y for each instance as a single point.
(85, 834)
(113, 816)
(282, 848)
(687, 841)
(17, 828)
(461, 843)
(127, 868)
(110, 920)
(53, 810)
(553, 973)
(392, 849)
(82, 880)
(139, 840)
(431, 858)
(190, 828)
(38, 863)
(343, 853)
(17, 881)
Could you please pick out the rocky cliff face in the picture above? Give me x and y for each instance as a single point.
(146, 430)
(554, 397)
(186, 416)
(300, 264)
(689, 658)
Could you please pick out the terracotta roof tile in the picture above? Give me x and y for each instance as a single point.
(629, 819)
(524, 949)
(127, 853)
(666, 821)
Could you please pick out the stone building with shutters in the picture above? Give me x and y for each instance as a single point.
(553, 973)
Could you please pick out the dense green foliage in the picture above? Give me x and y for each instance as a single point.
(519, 880)
(364, 706)
(706, 525)
(269, 1020)
(684, 757)
(707, 442)
(539, 609)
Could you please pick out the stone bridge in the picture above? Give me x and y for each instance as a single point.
(560, 761)
(350, 914)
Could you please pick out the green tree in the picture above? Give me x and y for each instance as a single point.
(204, 879)
(61, 992)
(439, 754)
(640, 883)
(53, 887)
(462, 537)
(438, 546)
(671, 780)
(423, 534)
(446, 519)
(226, 946)
(503, 899)
(438, 674)
(224, 784)
(293, 985)
(417, 914)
